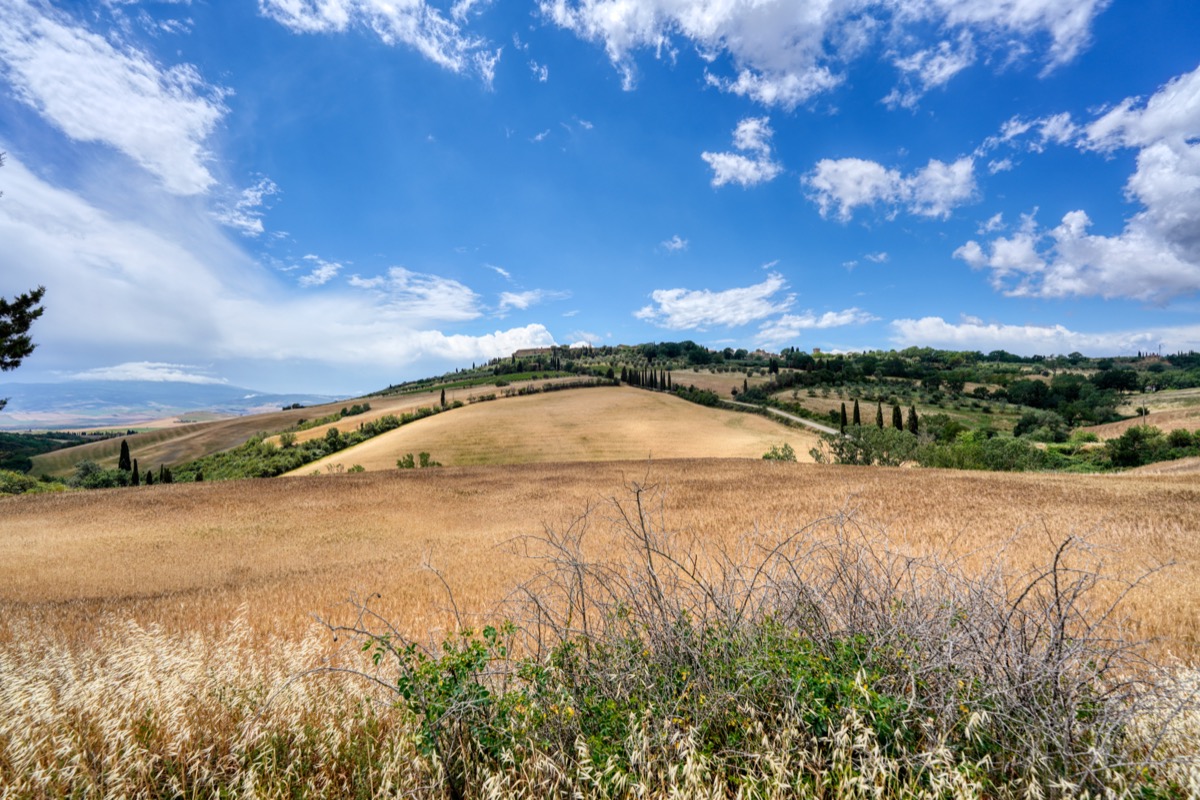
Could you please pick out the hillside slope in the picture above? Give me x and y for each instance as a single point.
(597, 424)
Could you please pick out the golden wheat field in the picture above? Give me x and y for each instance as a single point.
(192, 557)
(159, 641)
(596, 424)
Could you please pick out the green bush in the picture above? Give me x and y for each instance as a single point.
(782, 452)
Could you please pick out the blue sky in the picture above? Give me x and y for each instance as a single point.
(334, 195)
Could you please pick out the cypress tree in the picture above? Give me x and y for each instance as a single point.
(879, 415)
(912, 420)
(135, 478)
(897, 418)
(745, 386)
(123, 462)
(857, 416)
(669, 387)
(149, 477)
(443, 398)
(843, 418)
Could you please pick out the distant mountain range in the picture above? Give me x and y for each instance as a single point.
(94, 404)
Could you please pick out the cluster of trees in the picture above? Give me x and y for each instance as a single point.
(944, 447)
(422, 461)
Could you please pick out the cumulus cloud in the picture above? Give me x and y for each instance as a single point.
(787, 328)
(416, 24)
(975, 334)
(839, 186)
(75, 79)
(147, 371)
(784, 52)
(1156, 257)
(687, 309)
(751, 166)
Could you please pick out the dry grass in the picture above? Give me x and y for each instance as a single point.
(1166, 421)
(720, 382)
(142, 629)
(596, 424)
(189, 556)
(400, 404)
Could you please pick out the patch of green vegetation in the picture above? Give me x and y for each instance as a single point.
(18, 449)
(258, 458)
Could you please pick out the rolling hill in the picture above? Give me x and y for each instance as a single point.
(596, 424)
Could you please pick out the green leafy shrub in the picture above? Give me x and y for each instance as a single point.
(782, 452)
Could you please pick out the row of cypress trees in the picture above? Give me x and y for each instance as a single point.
(126, 464)
(912, 425)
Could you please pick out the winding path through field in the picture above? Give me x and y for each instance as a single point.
(816, 426)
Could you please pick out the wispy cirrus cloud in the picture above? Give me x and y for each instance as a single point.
(422, 296)
(176, 291)
(690, 309)
(526, 299)
(417, 24)
(322, 271)
(245, 212)
(74, 78)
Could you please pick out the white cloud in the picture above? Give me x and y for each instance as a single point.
(540, 71)
(787, 328)
(415, 23)
(842, 185)
(175, 290)
(674, 244)
(245, 214)
(684, 309)
(785, 52)
(76, 79)
(322, 272)
(584, 338)
(503, 273)
(147, 371)
(539, 137)
(877, 258)
(753, 136)
(422, 297)
(993, 223)
(974, 334)
(523, 300)
(930, 68)
(1156, 257)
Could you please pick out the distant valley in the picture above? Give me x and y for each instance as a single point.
(97, 404)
